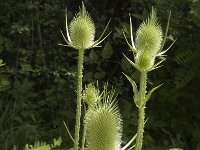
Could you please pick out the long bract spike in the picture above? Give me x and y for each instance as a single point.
(166, 32)
(129, 143)
(131, 30)
(64, 37)
(62, 44)
(103, 31)
(163, 52)
(131, 147)
(68, 132)
(99, 42)
(67, 30)
(130, 46)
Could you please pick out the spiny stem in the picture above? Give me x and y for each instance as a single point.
(79, 97)
(141, 115)
(84, 131)
(83, 138)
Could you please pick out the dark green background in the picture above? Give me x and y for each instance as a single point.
(38, 82)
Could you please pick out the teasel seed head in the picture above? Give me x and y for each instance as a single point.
(149, 35)
(104, 125)
(148, 42)
(82, 30)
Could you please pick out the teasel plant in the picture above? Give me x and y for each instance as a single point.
(147, 47)
(80, 35)
(103, 121)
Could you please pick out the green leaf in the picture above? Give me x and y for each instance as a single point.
(99, 75)
(135, 90)
(150, 92)
(57, 142)
(107, 51)
(4, 83)
(93, 56)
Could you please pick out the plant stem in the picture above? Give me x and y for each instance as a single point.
(141, 115)
(79, 97)
(84, 131)
(83, 138)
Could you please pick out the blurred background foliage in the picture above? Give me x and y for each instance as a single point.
(38, 82)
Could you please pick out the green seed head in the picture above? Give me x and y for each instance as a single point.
(90, 95)
(103, 125)
(149, 35)
(82, 30)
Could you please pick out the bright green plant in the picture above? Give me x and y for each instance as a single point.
(148, 45)
(43, 145)
(103, 123)
(80, 36)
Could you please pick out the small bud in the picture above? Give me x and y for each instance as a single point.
(82, 30)
(90, 95)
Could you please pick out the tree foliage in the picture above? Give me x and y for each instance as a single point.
(37, 83)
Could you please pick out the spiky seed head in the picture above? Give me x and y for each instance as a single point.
(82, 30)
(149, 35)
(90, 95)
(104, 126)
